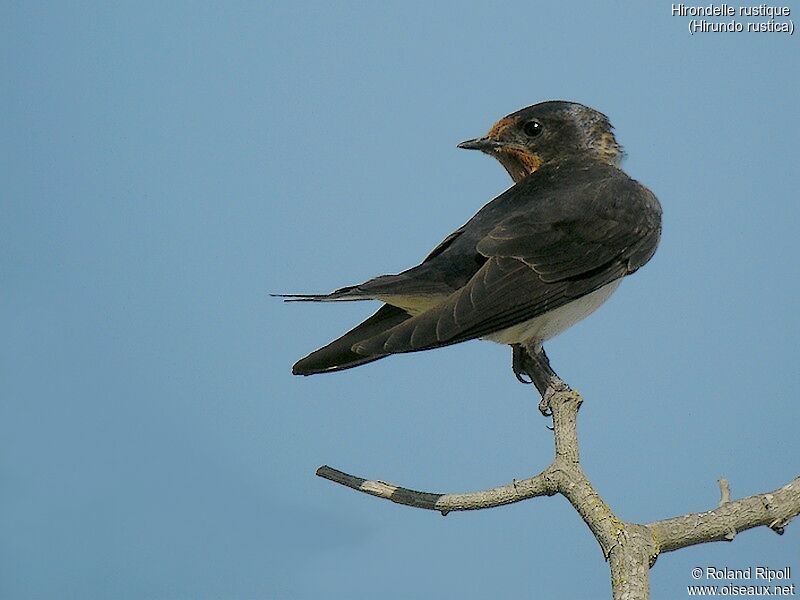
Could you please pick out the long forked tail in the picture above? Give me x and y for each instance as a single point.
(350, 293)
(338, 355)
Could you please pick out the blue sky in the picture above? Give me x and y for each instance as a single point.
(166, 167)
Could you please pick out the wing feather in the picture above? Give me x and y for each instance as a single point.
(538, 260)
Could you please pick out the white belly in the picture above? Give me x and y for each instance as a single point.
(550, 324)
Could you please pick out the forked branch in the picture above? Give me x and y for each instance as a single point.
(630, 548)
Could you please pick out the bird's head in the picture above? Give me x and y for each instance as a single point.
(548, 132)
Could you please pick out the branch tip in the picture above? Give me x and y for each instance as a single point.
(724, 491)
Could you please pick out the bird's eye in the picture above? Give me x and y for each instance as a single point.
(532, 128)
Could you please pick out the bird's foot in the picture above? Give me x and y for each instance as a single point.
(518, 355)
(532, 360)
(556, 386)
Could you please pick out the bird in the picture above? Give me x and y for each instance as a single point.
(531, 263)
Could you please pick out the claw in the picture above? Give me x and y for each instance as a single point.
(520, 377)
(517, 360)
(556, 386)
(544, 405)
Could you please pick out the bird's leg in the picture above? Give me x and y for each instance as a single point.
(546, 380)
(518, 355)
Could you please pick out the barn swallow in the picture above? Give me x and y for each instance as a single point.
(534, 261)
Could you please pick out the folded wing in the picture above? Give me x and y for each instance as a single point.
(537, 261)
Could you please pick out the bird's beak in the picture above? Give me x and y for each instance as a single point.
(484, 143)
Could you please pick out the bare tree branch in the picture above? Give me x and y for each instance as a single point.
(774, 509)
(518, 490)
(630, 548)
